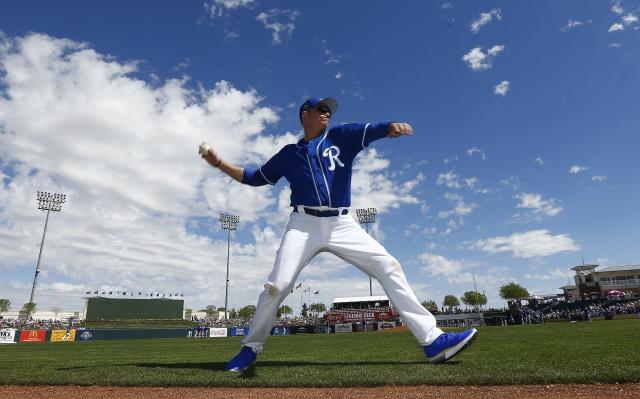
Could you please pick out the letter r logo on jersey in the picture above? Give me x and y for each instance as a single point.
(333, 157)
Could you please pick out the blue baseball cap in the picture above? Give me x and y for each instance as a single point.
(315, 101)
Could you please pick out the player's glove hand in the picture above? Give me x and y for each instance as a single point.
(399, 129)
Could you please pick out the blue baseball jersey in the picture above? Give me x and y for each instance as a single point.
(319, 170)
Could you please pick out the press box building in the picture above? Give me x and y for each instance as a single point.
(591, 280)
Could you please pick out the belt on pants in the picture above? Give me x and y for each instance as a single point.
(319, 213)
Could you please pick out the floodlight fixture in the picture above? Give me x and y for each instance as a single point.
(49, 202)
(228, 222)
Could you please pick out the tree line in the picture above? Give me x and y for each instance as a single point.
(509, 292)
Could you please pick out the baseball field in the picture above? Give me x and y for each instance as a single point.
(553, 353)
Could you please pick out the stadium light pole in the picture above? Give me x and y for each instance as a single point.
(51, 203)
(228, 222)
(366, 216)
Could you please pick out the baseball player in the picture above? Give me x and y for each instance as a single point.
(318, 169)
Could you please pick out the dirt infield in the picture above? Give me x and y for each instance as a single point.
(595, 391)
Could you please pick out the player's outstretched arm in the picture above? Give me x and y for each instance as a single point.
(397, 129)
(214, 160)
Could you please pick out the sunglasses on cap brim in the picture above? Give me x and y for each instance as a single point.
(323, 109)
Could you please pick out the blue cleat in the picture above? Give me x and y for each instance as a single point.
(243, 360)
(448, 345)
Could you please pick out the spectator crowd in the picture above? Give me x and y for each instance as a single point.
(533, 312)
(50, 324)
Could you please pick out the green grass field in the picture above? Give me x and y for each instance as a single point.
(537, 354)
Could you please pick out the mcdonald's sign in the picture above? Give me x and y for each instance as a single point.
(33, 335)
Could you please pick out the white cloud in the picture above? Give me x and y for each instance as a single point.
(62, 287)
(616, 27)
(429, 231)
(438, 265)
(449, 160)
(476, 150)
(450, 179)
(534, 243)
(575, 169)
(512, 182)
(125, 153)
(372, 186)
(629, 19)
(553, 274)
(478, 60)
(339, 75)
(616, 8)
(453, 224)
(413, 227)
(142, 207)
(495, 50)
(570, 25)
(183, 65)
(279, 22)
(539, 206)
(539, 161)
(502, 88)
(599, 179)
(461, 208)
(471, 182)
(331, 57)
(485, 18)
(217, 8)
(614, 45)
(460, 272)
(424, 208)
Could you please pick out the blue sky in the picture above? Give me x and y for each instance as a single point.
(522, 163)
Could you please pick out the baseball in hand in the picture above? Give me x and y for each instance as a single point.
(203, 149)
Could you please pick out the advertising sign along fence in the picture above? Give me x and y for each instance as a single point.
(238, 331)
(344, 328)
(217, 332)
(63, 335)
(355, 316)
(33, 335)
(7, 336)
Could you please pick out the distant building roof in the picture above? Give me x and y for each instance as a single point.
(581, 268)
(619, 268)
(543, 297)
(361, 299)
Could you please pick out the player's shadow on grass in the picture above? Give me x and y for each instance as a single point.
(220, 366)
(280, 363)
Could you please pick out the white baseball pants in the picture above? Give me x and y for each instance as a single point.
(305, 237)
